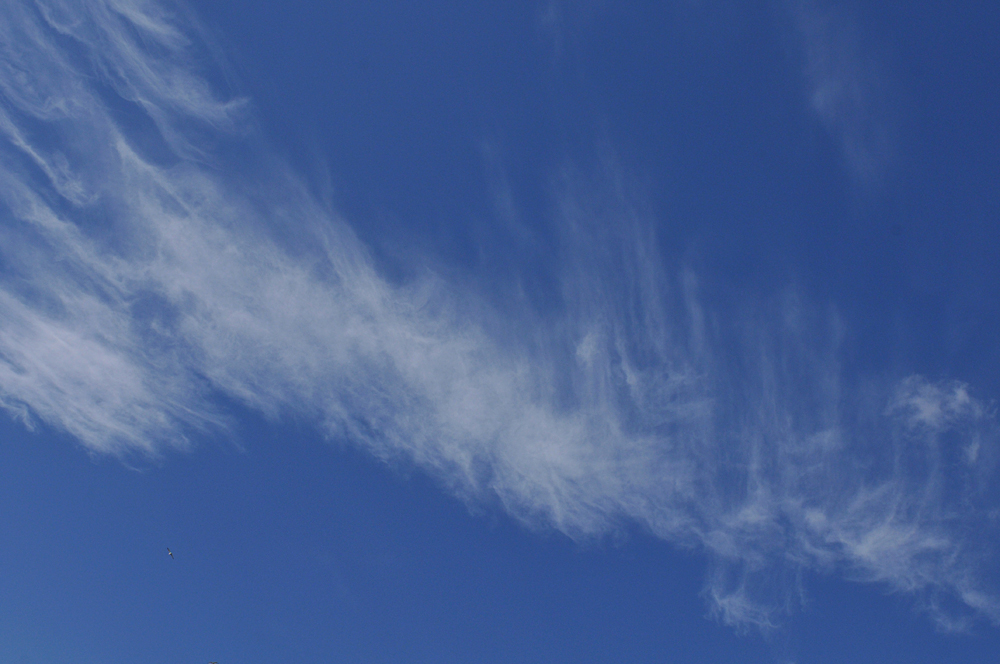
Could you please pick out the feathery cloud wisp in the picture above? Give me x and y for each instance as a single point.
(139, 278)
(847, 88)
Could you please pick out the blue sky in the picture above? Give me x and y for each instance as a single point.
(542, 332)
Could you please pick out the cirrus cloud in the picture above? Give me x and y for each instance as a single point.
(142, 277)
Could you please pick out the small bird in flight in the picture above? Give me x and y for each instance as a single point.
(170, 553)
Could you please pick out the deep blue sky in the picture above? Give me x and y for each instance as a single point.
(537, 332)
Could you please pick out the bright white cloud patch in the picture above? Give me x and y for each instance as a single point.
(141, 275)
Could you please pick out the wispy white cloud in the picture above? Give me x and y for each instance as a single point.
(847, 87)
(141, 278)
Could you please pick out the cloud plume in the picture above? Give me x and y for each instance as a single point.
(142, 278)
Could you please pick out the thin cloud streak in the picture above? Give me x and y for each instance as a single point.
(140, 279)
(847, 88)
